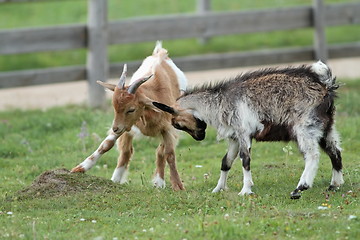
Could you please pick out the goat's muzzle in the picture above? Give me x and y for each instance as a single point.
(198, 133)
(118, 131)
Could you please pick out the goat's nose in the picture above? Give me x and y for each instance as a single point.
(115, 129)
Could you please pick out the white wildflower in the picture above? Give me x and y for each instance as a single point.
(322, 207)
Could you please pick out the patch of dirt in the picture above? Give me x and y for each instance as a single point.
(61, 182)
(60, 94)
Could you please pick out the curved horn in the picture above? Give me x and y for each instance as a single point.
(166, 108)
(133, 87)
(122, 79)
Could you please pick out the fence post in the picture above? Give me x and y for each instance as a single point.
(203, 6)
(320, 45)
(97, 66)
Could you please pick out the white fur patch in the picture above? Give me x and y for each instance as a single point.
(337, 178)
(120, 175)
(334, 136)
(311, 166)
(145, 69)
(111, 137)
(248, 183)
(136, 133)
(180, 75)
(323, 71)
(249, 119)
(308, 144)
(158, 46)
(87, 163)
(224, 131)
(221, 185)
(320, 68)
(158, 181)
(249, 122)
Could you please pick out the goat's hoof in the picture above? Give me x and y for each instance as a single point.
(246, 193)
(296, 194)
(219, 189)
(332, 188)
(178, 187)
(158, 182)
(78, 169)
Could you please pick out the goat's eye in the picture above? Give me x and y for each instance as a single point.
(131, 110)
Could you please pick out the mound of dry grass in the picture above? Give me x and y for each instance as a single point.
(61, 182)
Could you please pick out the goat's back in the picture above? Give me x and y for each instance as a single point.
(283, 95)
(167, 80)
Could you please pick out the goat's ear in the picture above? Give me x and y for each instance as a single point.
(107, 85)
(148, 103)
(165, 108)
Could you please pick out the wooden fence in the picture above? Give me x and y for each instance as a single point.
(98, 33)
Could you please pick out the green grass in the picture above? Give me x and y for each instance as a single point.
(40, 14)
(32, 142)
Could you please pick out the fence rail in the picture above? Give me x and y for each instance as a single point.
(203, 25)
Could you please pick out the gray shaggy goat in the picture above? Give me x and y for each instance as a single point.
(295, 103)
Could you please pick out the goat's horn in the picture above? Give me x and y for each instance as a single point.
(122, 79)
(133, 87)
(165, 108)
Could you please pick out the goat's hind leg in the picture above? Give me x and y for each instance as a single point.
(308, 145)
(126, 151)
(331, 146)
(226, 164)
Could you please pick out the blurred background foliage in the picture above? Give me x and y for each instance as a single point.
(52, 13)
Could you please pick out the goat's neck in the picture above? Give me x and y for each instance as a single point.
(205, 107)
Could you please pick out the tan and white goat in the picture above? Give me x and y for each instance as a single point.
(159, 79)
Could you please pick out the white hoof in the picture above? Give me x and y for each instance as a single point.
(245, 191)
(337, 178)
(219, 189)
(120, 175)
(158, 182)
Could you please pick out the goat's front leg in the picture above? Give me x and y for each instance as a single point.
(226, 164)
(90, 161)
(169, 142)
(126, 151)
(247, 178)
(159, 177)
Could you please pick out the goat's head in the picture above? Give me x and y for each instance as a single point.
(128, 107)
(184, 119)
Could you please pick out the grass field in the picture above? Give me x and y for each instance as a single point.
(32, 142)
(40, 14)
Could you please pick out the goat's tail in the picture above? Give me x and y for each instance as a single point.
(160, 52)
(325, 75)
